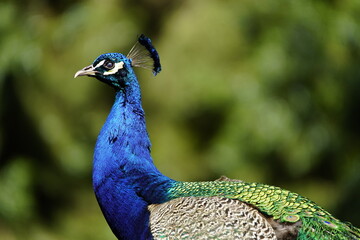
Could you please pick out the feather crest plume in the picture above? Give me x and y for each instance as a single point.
(143, 54)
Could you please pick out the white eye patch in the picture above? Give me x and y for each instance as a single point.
(119, 65)
(99, 64)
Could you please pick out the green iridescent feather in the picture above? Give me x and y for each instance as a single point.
(280, 204)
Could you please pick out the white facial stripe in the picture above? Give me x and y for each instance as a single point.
(118, 66)
(99, 64)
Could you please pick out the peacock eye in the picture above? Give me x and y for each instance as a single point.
(109, 64)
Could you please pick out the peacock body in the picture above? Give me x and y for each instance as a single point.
(139, 202)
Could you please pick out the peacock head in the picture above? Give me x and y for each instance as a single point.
(116, 69)
(111, 68)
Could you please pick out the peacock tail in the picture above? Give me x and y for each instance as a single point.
(280, 204)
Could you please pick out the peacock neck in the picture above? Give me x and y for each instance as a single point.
(123, 148)
(125, 179)
(123, 143)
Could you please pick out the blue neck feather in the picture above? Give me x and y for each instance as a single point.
(125, 179)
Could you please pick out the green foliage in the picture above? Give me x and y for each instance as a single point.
(264, 91)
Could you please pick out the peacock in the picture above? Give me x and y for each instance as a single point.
(139, 202)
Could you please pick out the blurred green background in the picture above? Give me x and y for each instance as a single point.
(265, 91)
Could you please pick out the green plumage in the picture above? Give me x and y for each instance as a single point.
(282, 205)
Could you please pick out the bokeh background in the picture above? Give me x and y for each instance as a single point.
(265, 91)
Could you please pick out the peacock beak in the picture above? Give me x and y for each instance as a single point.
(86, 71)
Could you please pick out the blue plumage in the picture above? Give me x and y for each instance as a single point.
(125, 180)
(122, 156)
